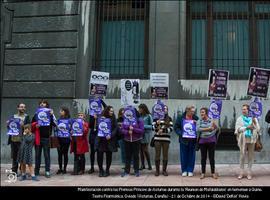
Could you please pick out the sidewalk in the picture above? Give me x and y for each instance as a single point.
(227, 177)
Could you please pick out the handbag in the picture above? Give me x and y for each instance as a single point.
(258, 145)
(54, 143)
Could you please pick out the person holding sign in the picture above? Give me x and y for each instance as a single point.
(147, 119)
(185, 128)
(25, 154)
(15, 130)
(79, 143)
(206, 131)
(63, 135)
(106, 140)
(95, 110)
(247, 130)
(132, 129)
(162, 126)
(42, 124)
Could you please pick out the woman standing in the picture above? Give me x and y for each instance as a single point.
(132, 136)
(107, 144)
(63, 135)
(162, 128)
(207, 141)
(247, 130)
(185, 128)
(147, 119)
(120, 136)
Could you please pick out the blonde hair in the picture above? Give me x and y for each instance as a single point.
(189, 107)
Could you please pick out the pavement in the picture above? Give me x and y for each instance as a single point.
(227, 177)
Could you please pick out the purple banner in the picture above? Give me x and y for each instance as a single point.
(77, 127)
(130, 117)
(215, 109)
(255, 108)
(189, 129)
(98, 89)
(14, 126)
(104, 127)
(43, 116)
(95, 107)
(258, 82)
(158, 110)
(217, 86)
(63, 127)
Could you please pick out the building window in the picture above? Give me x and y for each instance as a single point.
(229, 35)
(122, 37)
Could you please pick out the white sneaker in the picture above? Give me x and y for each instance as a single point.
(190, 174)
(184, 174)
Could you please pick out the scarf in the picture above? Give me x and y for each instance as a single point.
(247, 122)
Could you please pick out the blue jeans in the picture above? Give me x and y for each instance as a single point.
(45, 145)
(123, 153)
(187, 156)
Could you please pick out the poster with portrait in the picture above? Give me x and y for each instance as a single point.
(258, 82)
(98, 83)
(255, 108)
(63, 128)
(43, 116)
(130, 91)
(77, 127)
(159, 84)
(104, 127)
(14, 126)
(129, 116)
(189, 129)
(215, 107)
(158, 110)
(95, 106)
(217, 85)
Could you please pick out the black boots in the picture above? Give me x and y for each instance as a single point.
(157, 167)
(165, 163)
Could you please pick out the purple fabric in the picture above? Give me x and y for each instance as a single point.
(211, 139)
(138, 130)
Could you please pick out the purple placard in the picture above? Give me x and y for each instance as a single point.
(158, 110)
(77, 127)
(63, 127)
(43, 116)
(159, 92)
(130, 117)
(104, 127)
(255, 108)
(14, 126)
(95, 106)
(189, 129)
(217, 86)
(258, 82)
(215, 109)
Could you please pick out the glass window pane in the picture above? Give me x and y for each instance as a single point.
(122, 47)
(198, 6)
(198, 47)
(262, 8)
(231, 46)
(230, 6)
(264, 43)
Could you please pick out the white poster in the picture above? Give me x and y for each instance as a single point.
(130, 91)
(98, 83)
(159, 83)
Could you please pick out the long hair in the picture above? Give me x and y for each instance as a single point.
(167, 119)
(106, 113)
(144, 108)
(44, 101)
(66, 110)
(120, 113)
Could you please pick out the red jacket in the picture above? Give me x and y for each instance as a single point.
(81, 141)
(35, 130)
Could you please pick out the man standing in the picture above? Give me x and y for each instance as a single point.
(15, 141)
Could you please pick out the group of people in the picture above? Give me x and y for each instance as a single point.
(133, 140)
